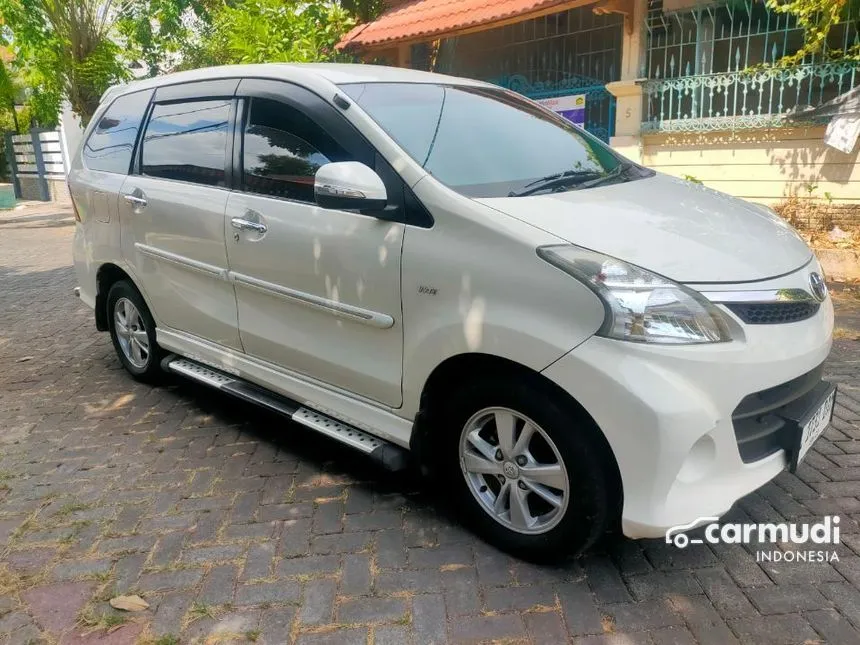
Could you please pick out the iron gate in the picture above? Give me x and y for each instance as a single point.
(599, 103)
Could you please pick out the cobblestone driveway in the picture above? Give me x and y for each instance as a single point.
(235, 526)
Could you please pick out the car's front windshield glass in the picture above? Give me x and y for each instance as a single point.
(488, 142)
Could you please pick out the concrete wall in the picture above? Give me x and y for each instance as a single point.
(58, 190)
(760, 165)
(71, 132)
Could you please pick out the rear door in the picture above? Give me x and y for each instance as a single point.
(318, 290)
(172, 210)
(96, 177)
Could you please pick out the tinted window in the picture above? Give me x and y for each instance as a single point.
(482, 142)
(283, 149)
(111, 143)
(187, 141)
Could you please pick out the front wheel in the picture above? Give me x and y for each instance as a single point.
(528, 470)
(132, 331)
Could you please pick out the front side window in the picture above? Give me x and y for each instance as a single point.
(111, 143)
(187, 142)
(483, 141)
(282, 151)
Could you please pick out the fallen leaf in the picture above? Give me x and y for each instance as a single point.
(129, 603)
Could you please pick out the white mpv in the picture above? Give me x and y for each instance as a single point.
(433, 267)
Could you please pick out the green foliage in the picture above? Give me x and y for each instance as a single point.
(258, 31)
(76, 49)
(9, 91)
(159, 32)
(363, 10)
(817, 18)
(64, 49)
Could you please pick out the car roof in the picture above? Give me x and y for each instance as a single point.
(304, 73)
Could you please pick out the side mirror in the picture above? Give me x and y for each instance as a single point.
(349, 185)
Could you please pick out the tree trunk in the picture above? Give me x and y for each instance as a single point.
(15, 117)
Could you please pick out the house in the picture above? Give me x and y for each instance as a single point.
(682, 86)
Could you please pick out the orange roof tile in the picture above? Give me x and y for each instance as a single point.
(421, 19)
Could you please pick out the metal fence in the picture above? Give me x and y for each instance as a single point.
(35, 159)
(708, 68)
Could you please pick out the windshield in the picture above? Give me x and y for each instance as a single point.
(487, 142)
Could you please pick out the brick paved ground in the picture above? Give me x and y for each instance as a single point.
(237, 527)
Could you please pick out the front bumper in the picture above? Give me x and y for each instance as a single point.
(666, 412)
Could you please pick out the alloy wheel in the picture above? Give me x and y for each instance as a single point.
(514, 470)
(131, 333)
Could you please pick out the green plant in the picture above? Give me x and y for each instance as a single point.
(70, 508)
(258, 31)
(816, 18)
(253, 635)
(167, 639)
(200, 610)
(107, 621)
(692, 179)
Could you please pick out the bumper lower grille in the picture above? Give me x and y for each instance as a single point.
(774, 313)
(760, 429)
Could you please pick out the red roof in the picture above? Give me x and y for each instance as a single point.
(421, 19)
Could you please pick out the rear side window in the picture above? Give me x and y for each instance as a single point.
(187, 142)
(283, 149)
(111, 143)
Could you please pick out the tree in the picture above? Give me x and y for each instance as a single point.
(67, 49)
(263, 31)
(817, 18)
(76, 49)
(364, 10)
(160, 33)
(9, 91)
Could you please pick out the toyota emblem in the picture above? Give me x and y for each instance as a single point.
(819, 288)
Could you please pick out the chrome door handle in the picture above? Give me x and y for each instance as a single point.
(134, 200)
(248, 225)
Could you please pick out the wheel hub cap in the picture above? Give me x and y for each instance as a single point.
(510, 470)
(514, 470)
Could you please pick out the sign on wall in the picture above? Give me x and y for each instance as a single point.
(570, 107)
(842, 133)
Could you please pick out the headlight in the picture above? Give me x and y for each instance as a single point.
(640, 306)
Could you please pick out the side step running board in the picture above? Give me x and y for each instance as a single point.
(386, 454)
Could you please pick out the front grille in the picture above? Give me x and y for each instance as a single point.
(773, 313)
(759, 429)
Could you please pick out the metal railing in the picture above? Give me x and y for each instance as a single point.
(742, 99)
(710, 67)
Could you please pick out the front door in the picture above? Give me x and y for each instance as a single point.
(318, 291)
(172, 212)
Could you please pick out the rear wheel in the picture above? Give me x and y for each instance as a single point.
(527, 469)
(132, 330)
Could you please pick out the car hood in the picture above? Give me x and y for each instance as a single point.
(676, 228)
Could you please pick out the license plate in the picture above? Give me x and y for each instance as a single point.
(815, 425)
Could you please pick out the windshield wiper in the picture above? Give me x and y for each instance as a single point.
(621, 169)
(557, 180)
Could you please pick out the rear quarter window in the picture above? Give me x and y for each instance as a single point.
(110, 145)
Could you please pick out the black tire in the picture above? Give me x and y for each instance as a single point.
(594, 499)
(150, 370)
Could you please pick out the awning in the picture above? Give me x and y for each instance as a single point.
(419, 20)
